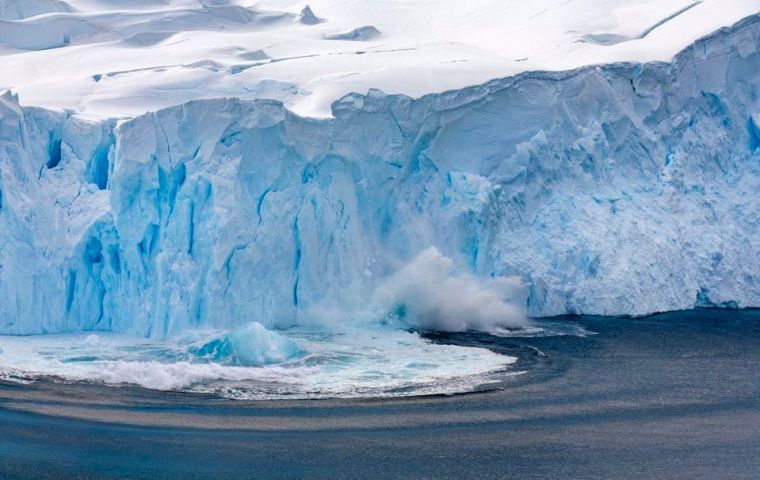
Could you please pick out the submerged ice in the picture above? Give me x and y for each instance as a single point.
(619, 189)
(251, 345)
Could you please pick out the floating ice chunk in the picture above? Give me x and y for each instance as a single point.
(251, 345)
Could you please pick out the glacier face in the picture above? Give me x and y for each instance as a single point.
(618, 189)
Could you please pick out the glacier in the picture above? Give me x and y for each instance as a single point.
(617, 189)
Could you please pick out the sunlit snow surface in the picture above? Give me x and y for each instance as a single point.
(105, 58)
(351, 363)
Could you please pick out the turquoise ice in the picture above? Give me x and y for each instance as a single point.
(617, 189)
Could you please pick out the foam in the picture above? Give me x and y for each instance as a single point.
(347, 363)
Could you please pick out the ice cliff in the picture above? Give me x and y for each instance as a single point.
(615, 189)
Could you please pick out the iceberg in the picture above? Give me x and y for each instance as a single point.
(618, 189)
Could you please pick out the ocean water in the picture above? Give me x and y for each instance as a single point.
(667, 396)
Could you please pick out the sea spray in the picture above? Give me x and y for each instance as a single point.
(431, 294)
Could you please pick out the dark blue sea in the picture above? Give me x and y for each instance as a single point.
(671, 396)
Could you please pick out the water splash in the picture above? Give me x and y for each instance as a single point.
(430, 294)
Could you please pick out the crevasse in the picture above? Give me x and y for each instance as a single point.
(615, 189)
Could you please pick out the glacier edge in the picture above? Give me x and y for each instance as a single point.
(620, 189)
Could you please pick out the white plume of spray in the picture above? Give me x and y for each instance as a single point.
(432, 295)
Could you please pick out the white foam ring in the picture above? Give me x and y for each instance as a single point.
(350, 363)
